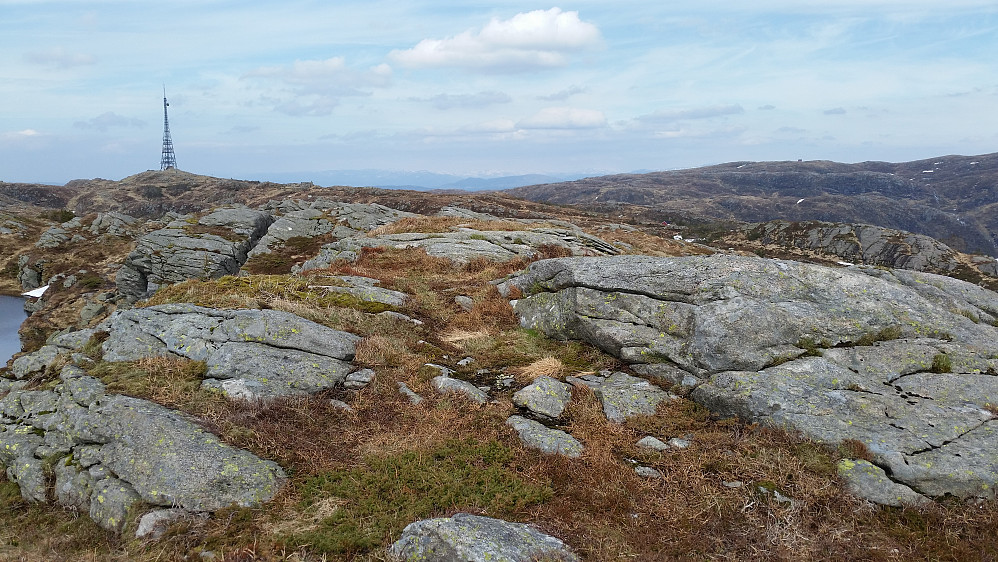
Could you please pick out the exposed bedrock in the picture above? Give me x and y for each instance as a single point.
(108, 453)
(463, 245)
(249, 353)
(905, 362)
(214, 245)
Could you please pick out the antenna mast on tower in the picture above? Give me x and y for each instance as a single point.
(169, 159)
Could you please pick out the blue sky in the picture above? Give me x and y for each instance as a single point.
(485, 89)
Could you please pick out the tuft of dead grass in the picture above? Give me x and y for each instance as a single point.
(458, 335)
(543, 367)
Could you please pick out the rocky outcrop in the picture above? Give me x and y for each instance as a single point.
(904, 362)
(109, 453)
(53, 237)
(871, 245)
(211, 246)
(465, 244)
(471, 538)
(29, 274)
(113, 224)
(308, 223)
(249, 353)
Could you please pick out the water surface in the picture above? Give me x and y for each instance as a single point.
(11, 316)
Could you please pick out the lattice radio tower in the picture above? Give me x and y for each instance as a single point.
(169, 159)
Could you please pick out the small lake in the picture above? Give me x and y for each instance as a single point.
(11, 316)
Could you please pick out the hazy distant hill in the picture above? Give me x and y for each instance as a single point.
(417, 180)
(951, 198)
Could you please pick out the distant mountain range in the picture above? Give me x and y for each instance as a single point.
(953, 199)
(418, 180)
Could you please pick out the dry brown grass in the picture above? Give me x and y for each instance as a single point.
(458, 335)
(646, 244)
(543, 367)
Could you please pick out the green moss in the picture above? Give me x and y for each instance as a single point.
(91, 282)
(10, 494)
(811, 347)
(93, 348)
(174, 384)
(886, 334)
(941, 363)
(59, 216)
(386, 493)
(237, 292)
(197, 230)
(519, 347)
(816, 458)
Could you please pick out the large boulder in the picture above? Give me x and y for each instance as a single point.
(471, 538)
(211, 246)
(902, 361)
(249, 353)
(108, 453)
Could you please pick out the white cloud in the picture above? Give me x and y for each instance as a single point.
(563, 94)
(528, 40)
(26, 137)
(59, 57)
(105, 121)
(727, 132)
(329, 76)
(314, 87)
(672, 115)
(481, 99)
(495, 126)
(564, 118)
(835, 111)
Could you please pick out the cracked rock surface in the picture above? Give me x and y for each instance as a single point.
(889, 358)
(249, 353)
(204, 248)
(463, 245)
(110, 452)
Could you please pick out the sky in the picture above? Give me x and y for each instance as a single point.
(489, 89)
